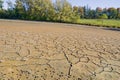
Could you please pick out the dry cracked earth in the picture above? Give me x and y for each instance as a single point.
(54, 51)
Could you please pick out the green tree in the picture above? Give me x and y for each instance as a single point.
(1, 4)
(10, 12)
(98, 12)
(64, 11)
(88, 13)
(112, 13)
(20, 9)
(60, 10)
(118, 16)
(118, 13)
(91, 14)
(81, 11)
(1, 10)
(37, 9)
(103, 16)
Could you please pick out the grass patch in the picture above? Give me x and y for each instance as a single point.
(100, 22)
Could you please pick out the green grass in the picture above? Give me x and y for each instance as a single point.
(100, 22)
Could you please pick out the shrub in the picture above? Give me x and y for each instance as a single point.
(103, 16)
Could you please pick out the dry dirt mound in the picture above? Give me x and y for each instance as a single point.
(48, 51)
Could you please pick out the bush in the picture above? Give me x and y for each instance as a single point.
(103, 16)
(118, 16)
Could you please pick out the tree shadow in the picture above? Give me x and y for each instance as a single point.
(113, 29)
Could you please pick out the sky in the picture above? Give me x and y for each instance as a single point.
(91, 3)
(96, 3)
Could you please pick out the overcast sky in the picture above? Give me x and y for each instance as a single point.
(91, 3)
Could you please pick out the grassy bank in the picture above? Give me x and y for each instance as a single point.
(100, 22)
(91, 22)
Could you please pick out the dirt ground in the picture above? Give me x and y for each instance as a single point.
(53, 51)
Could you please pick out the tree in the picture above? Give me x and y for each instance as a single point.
(118, 10)
(98, 12)
(98, 9)
(88, 13)
(20, 9)
(1, 4)
(103, 16)
(79, 11)
(118, 16)
(112, 13)
(1, 10)
(35, 9)
(10, 5)
(91, 14)
(60, 10)
(64, 11)
(118, 13)
(85, 11)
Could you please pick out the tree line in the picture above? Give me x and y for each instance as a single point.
(60, 11)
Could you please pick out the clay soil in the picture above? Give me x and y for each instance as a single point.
(55, 51)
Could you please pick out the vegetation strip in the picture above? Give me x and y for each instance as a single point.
(60, 11)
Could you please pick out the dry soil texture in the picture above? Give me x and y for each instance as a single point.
(54, 51)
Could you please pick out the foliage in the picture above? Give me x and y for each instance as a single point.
(103, 16)
(1, 3)
(112, 13)
(118, 16)
(60, 11)
(100, 22)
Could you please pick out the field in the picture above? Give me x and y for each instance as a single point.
(100, 22)
(55, 51)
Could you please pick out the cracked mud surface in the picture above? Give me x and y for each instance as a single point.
(48, 51)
